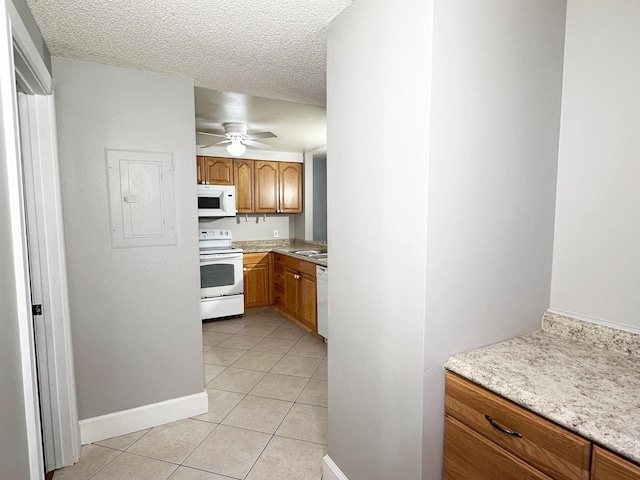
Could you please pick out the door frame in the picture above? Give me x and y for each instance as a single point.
(36, 164)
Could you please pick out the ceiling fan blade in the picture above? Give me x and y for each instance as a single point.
(261, 135)
(251, 143)
(212, 134)
(221, 142)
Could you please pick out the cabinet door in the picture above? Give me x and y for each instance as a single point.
(266, 187)
(256, 285)
(243, 179)
(290, 187)
(307, 310)
(218, 171)
(608, 466)
(470, 456)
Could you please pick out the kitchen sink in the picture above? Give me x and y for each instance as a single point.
(318, 255)
(307, 252)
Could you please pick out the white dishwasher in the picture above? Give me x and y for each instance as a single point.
(322, 276)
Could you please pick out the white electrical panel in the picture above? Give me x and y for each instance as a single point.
(141, 198)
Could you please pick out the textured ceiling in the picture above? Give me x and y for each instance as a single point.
(266, 48)
(299, 128)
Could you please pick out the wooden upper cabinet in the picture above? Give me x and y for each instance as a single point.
(266, 187)
(290, 186)
(278, 187)
(243, 180)
(215, 170)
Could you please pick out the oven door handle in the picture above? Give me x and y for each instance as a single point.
(215, 257)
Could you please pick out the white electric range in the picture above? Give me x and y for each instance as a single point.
(221, 275)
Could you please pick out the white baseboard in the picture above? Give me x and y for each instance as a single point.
(330, 470)
(147, 416)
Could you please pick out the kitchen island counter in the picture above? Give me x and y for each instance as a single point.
(582, 376)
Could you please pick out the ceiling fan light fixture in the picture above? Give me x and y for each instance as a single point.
(236, 148)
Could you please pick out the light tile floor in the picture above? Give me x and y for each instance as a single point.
(267, 385)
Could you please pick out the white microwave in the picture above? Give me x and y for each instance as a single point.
(216, 201)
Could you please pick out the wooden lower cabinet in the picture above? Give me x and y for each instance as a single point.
(609, 466)
(257, 280)
(294, 290)
(308, 307)
(300, 297)
(552, 451)
(278, 285)
(470, 456)
(489, 437)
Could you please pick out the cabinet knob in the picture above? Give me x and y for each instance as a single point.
(244, 269)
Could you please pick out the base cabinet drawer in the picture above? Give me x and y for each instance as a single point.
(470, 456)
(609, 466)
(549, 448)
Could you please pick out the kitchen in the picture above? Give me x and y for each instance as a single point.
(264, 198)
(420, 347)
(185, 180)
(140, 342)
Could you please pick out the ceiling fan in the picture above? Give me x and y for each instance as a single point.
(235, 134)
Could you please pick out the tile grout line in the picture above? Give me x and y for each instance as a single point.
(244, 396)
(292, 404)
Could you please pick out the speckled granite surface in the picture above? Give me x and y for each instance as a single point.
(596, 335)
(584, 378)
(284, 246)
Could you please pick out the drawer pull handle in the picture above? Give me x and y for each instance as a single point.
(497, 426)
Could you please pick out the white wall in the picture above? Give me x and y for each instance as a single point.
(135, 311)
(319, 197)
(596, 264)
(497, 77)
(377, 204)
(419, 273)
(254, 226)
(303, 222)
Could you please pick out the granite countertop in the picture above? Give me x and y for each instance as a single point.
(582, 376)
(285, 246)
